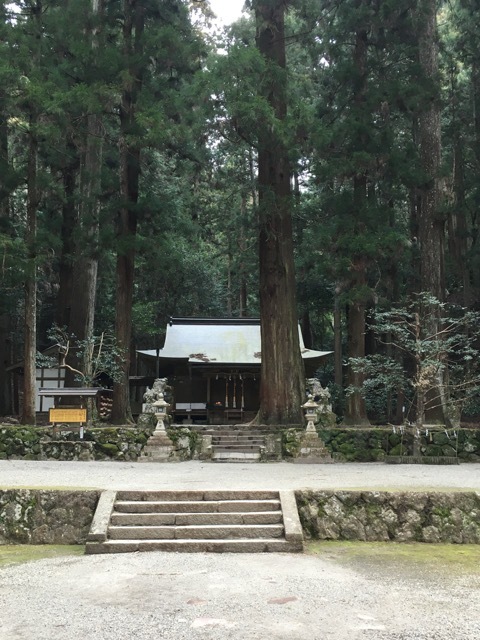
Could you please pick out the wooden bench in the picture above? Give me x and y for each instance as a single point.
(190, 409)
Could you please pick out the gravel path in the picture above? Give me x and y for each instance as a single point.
(201, 475)
(217, 597)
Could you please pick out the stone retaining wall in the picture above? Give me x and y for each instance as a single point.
(103, 443)
(370, 445)
(382, 516)
(122, 443)
(29, 516)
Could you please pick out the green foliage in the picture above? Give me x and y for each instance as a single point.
(442, 342)
(99, 354)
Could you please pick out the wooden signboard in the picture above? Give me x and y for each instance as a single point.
(68, 415)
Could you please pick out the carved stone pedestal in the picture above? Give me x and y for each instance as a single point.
(158, 448)
(312, 451)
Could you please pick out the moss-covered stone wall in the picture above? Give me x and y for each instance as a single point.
(105, 443)
(30, 516)
(371, 445)
(126, 444)
(382, 516)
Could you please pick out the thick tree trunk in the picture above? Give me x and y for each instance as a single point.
(127, 216)
(30, 332)
(69, 223)
(431, 225)
(30, 321)
(337, 337)
(84, 277)
(5, 322)
(356, 412)
(282, 387)
(243, 293)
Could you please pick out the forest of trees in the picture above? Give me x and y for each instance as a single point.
(317, 161)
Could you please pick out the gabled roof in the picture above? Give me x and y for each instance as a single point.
(218, 341)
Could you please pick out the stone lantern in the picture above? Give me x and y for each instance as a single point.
(310, 408)
(160, 409)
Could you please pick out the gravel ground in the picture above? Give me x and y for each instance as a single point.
(201, 475)
(271, 596)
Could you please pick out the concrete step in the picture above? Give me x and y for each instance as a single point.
(235, 456)
(197, 546)
(240, 440)
(194, 532)
(236, 447)
(185, 519)
(241, 436)
(191, 496)
(205, 506)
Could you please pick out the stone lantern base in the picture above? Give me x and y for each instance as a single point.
(312, 450)
(159, 446)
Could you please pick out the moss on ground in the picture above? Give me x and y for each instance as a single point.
(448, 559)
(21, 553)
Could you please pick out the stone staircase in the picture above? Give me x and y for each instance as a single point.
(196, 521)
(237, 446)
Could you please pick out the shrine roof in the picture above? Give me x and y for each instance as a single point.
(218, 341)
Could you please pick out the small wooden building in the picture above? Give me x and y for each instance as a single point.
(213, 367)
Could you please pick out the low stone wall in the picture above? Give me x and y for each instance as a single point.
(370, 445)
(126, 444)
(103, 443)
(29, 516)
(382, 516)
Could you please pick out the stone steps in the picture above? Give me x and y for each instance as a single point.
(237, 446)
(221, 455)
(182, 519)
(195, 532)
(223, 521)
(207, 506)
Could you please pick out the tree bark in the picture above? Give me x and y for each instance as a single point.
(127, 215)
(5, 321)
(30, 332)
(69, 224)
(30, 320)
(282, 386)
(431, 224)
(356, 412)
(84, 276)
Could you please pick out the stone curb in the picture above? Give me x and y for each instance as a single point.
(291, 519)
(101, 519)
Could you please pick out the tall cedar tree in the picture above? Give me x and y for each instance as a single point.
(130, 149)
(431, 224)
(33, 193)
(282, 388)
(5, 189)
(84, 276)
(356, 412)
